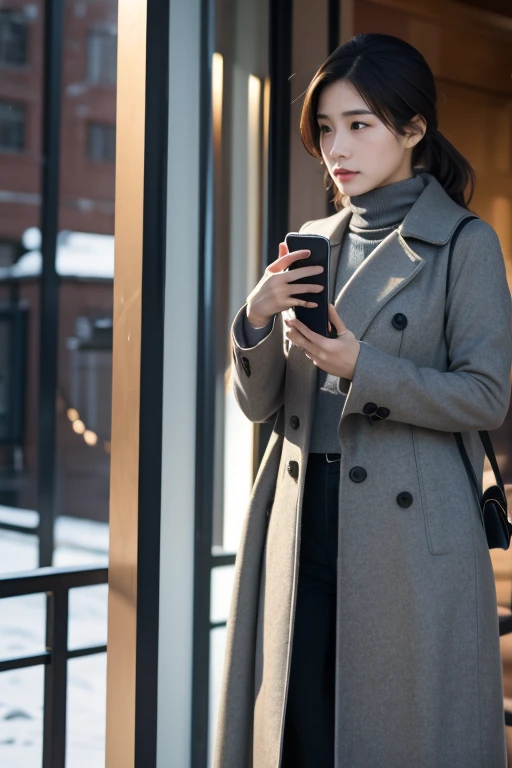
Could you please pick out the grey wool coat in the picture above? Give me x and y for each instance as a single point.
(418, 670)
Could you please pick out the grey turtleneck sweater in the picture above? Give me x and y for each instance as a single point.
(375, 214)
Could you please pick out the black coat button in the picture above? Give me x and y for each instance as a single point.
(294, 422)
(399, 321)
(404, 499)
(246, 365)
(293, 469)
(369, 408)
(357, 474)
(381, 413)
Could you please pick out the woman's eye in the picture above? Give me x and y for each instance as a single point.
(358, 123)
(324, 128)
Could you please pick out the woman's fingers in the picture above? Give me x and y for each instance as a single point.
(310, 338)
(337, 321)
(283, 250)
(301, 303)
(284, 261)
(306, 288)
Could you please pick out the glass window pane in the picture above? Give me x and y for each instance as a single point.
(12, 126)
(13, 36)
(21, 69)
(240, 94)
(102, 55)
(221, 589)
(85, 259)
(217, 648)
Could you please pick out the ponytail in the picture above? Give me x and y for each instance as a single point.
(439, 157)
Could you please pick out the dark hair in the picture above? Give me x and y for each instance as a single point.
(396, 83)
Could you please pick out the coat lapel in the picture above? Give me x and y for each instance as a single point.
(388, 269)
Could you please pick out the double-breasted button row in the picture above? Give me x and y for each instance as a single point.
(375, 412)
(359, 474)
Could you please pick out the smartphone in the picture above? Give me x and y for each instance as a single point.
(316, 318)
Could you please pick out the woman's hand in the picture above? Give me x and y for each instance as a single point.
(335, 356)
(275, 291)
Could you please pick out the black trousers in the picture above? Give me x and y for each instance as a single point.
(309, 721)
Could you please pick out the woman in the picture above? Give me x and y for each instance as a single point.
(363, 631)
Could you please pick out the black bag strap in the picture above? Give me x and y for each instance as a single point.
(484, 436)
(460, 226)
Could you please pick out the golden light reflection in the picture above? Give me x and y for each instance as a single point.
(90, 437)
(217, 96)
(254, 178)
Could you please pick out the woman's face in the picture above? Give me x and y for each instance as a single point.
(354, 138)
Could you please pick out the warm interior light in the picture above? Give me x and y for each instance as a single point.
(72, 414)
(266, 126)
(217, 95)
(253, 178)
(79, 427)
(90, 437)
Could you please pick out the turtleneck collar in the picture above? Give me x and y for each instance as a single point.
(381, 209)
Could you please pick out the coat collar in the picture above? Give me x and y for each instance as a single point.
(394, 262)
(432, 217)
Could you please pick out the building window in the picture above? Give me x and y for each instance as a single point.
(102, 56)
(9, 251)
(101, 143)
(12, 127)
(13, 38)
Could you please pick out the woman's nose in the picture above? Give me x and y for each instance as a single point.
(339, 148)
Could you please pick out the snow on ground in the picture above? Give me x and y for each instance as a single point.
(22, 626)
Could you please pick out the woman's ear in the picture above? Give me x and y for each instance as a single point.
(417, 131)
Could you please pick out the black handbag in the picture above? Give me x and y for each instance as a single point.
(492, 503)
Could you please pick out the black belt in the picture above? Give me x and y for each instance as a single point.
(326, 458)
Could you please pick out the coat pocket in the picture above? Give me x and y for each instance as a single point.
(444, 492)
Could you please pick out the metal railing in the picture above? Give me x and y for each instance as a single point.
(56, 583)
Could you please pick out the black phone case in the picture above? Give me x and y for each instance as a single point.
(316, 318)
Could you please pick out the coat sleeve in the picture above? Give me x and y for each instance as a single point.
(474, 393)
(247, 335)
(259, 370)
(259, 364)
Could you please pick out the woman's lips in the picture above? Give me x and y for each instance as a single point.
(346, 175)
